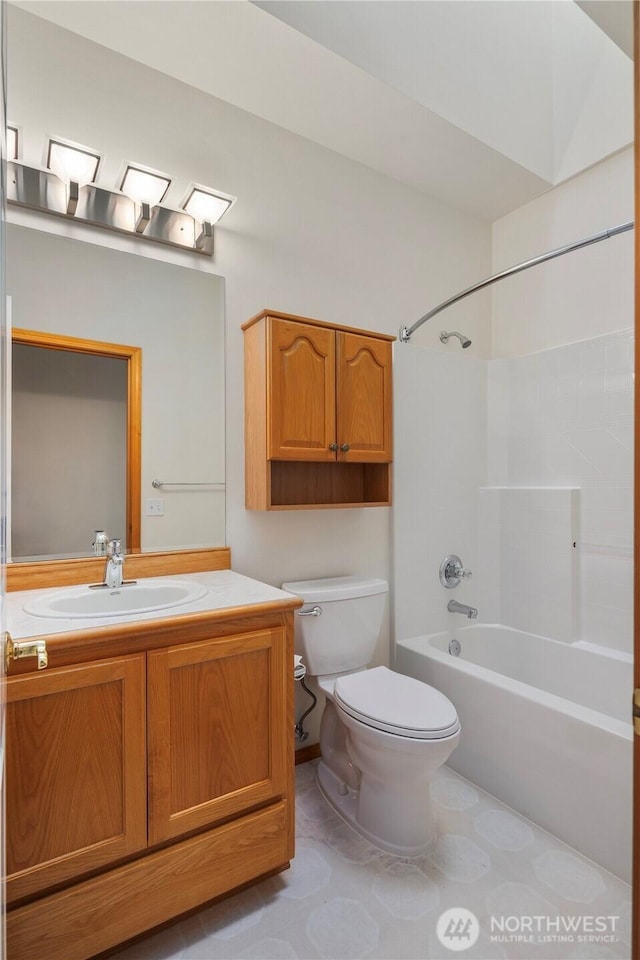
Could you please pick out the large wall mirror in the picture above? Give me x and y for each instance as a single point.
(73, 306)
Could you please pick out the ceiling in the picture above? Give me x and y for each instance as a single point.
(482, 105)
(615, 18)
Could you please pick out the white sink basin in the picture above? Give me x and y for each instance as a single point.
(145, 596)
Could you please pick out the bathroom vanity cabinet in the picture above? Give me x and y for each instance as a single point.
(318, 414)
(149, 771)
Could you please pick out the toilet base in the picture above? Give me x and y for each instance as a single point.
(344, 800)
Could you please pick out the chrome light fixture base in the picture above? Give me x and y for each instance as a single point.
(38, 189)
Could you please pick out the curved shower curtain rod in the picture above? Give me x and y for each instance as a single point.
(406, 332)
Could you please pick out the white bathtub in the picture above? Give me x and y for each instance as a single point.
(545, 728)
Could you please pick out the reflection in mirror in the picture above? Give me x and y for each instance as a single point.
(81, 397)
(174, 315)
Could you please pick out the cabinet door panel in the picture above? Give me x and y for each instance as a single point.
(364, 398)
(218, 734)
(76, 771)
(301, 392)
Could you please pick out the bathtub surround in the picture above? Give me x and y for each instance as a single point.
(527, 551)
(565, 417)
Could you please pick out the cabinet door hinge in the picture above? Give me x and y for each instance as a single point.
(636, 710)
(17, 649)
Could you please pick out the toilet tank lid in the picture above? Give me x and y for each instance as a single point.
(335, 588)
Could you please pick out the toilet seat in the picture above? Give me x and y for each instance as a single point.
(397, 704)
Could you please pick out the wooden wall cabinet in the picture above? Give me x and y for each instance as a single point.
(142, 785)
(318, 414)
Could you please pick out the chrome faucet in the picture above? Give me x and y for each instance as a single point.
(454, 607)
(114, 569)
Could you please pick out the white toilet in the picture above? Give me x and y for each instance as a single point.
(383, 734)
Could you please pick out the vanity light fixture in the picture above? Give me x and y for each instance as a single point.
(13, 142)
(66, 186)
(207, 205)
(144, 217)
(144, 185)
(147, 188)
(74, 164)
(204, 240)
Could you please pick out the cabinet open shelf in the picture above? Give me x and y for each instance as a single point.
(295, 485)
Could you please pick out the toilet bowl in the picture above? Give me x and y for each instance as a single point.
(383, 734)
(396, 732)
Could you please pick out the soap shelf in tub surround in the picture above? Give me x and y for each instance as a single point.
(182, 728)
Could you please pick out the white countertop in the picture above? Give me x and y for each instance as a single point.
(225, 589)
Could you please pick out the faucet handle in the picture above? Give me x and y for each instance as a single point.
(113, 547)
(452, 572)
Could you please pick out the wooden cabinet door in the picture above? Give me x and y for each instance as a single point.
(301, 399)
(219, 729)
(363, 398)
(75, 771)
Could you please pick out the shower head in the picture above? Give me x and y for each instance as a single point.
(444, 337)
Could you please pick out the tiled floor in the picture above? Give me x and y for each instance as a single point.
(343, 898)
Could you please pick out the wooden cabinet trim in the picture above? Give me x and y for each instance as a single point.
(316, 323)
(138, 896)
(191, 653)
(70, 573)
(82, 646)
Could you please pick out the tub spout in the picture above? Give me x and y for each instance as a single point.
(454, 607)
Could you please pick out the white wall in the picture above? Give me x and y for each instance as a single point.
(312, 233)
(584, 294)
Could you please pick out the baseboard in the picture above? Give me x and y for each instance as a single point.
(304, 754)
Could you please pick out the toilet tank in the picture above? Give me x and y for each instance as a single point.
(344, 636)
